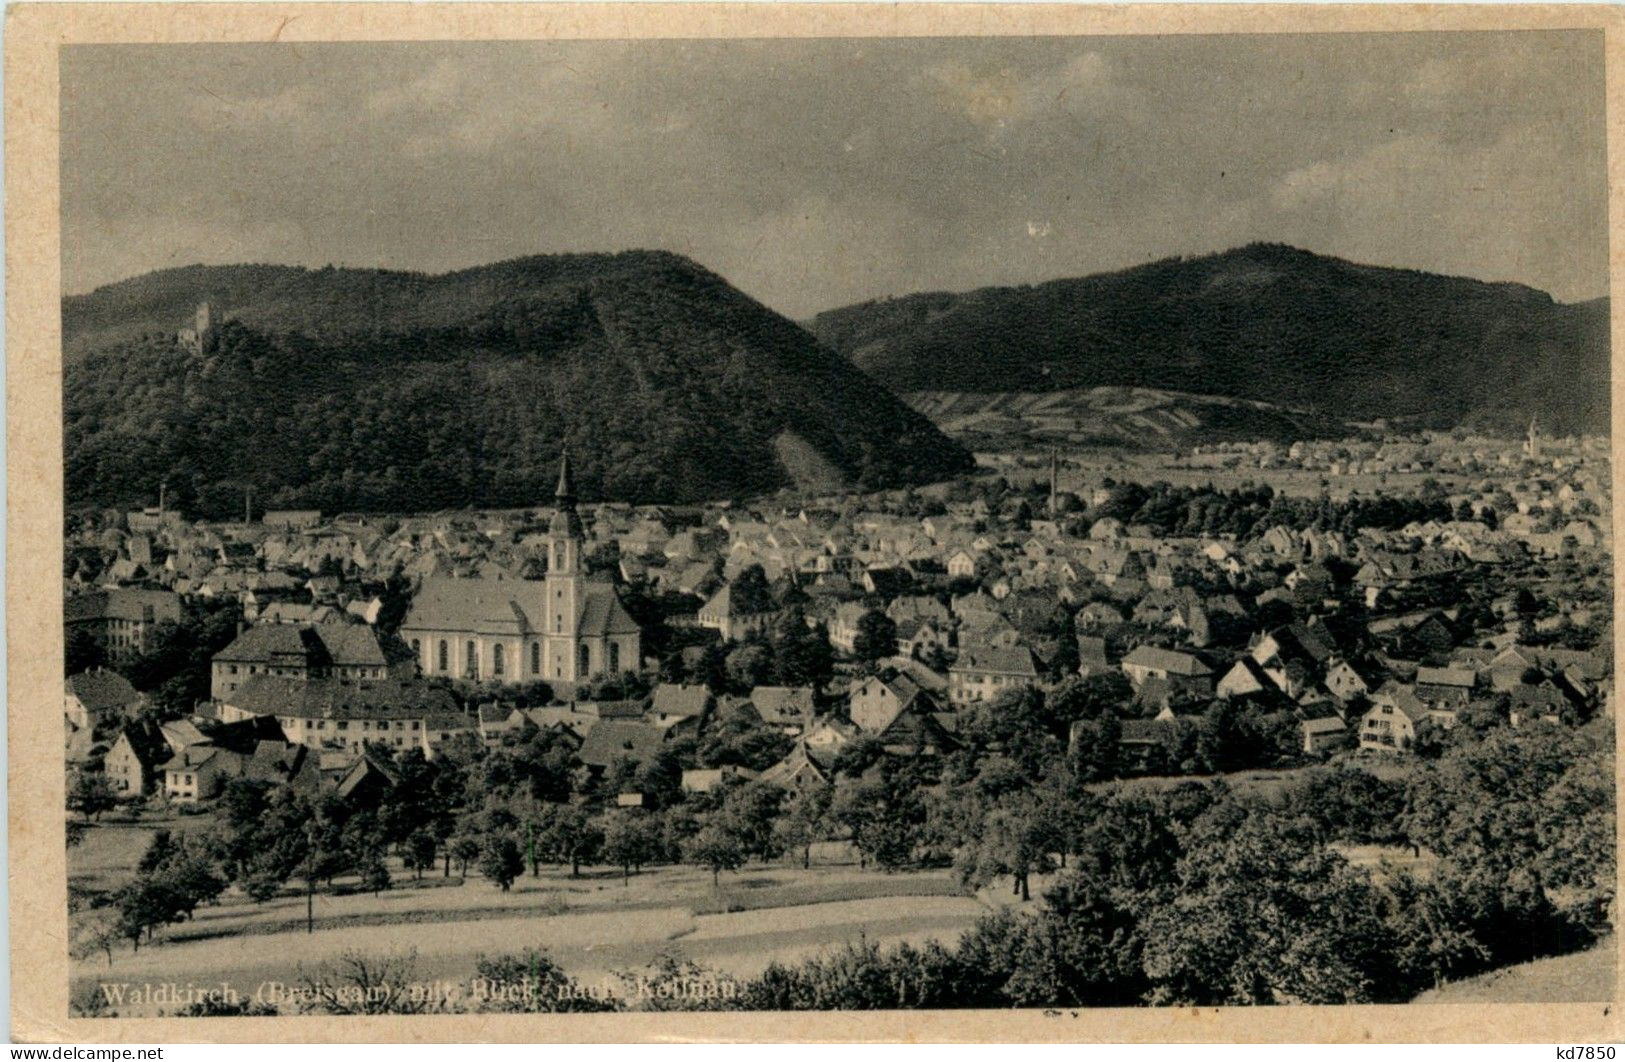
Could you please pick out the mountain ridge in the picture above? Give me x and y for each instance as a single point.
(375, 389)
(1266, 322)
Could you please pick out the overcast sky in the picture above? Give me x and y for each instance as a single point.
(817, 173)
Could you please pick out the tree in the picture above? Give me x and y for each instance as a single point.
(750, 811)
(500, 860)
(631, 838)
(97, 933)
(158, 852)
(1014, 839)
(568, 836)
(421, 849)
(1065, 660)
(749, 594)
(802, 655)
(1264, 914)
(91, 795)
(83, 651)
(192, 880)
(1082, 948)
(375, 872)
(465, 849)
(717, 848)
(805, 820)
(876, 636)
(749, 666)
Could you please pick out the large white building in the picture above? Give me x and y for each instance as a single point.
(563, 629)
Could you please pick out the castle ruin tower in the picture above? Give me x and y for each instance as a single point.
(1531, 443)
(204, 335)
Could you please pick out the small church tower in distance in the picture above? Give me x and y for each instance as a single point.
(1054, 502)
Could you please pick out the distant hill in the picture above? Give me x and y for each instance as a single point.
(1263, 322)
(367, 389)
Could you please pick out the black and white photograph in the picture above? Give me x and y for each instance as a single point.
(944, 523)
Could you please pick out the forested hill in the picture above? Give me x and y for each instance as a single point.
(1263, 322)
(351, 389)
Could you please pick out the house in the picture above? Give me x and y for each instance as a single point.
(348, 651)
(1098, 614)
(91, 697)
(122, 619)
(1322, 733)
(1389, 725)
(1345, 682)
(802, 768)
(563, 629)
(843, 626)
(1184, 672)
(1445, 687)
(982, 672)
(339, 713)
(1292, 656)
(1245, 678)
(614, 740)
(734, 619)
(919, 609)
(917, 730)
(876, 702)
(283, 763)
(292, 519)
(1092, 659)
(132, 764)
(674, 702)
(366, 781)
(704, 780)
(789, 708)
(199, 772)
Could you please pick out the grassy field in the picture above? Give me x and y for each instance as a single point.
(1583, 977)
(1270, 782)
(594, 925)
(107, 855)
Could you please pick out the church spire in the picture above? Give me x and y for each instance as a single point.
(566, 522)
(565, 495)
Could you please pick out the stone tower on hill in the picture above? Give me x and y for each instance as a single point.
(204, 334)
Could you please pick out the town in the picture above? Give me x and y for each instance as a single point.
(367, 696)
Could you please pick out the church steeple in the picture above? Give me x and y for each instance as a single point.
(566, 529)
(565, 495)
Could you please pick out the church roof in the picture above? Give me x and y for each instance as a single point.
(492, 606)
(602, 613)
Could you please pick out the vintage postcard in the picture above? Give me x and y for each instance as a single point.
(749, 522)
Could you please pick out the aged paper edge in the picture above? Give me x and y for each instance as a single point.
(37, 874)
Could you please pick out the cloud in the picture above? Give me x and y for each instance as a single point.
(286, 107)
(441, 84)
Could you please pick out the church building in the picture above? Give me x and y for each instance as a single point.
(563, 629)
